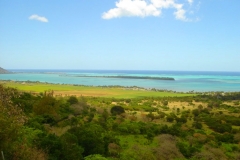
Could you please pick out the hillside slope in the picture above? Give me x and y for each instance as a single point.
(3, 71)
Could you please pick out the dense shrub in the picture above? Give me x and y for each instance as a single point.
(72, 100)
(218, 125)
(90, 138)
(186, 149)
(197, 125)
(226, 137)
(181, 119)
(116, 110)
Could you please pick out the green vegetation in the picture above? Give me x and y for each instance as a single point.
(103, 91)
(43, 125)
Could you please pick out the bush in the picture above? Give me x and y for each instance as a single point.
(181, 120)
(72, 100)
(165, 103)
(170, 118)
(52, 144)
(227, 137)
(90, 138)
(186, 149)
(116, 110)
(217, 126)
(197, 125)
(195, 112)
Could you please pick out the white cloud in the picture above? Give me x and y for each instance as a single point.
(38, 18)
(180, 14)
(144, 8)
(190, 1)
(163, 3)
(131, 8)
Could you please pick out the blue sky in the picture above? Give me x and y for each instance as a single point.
(196, 35)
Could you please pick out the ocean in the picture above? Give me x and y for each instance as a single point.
(184, 81)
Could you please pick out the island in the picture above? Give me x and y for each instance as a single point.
(126, 77)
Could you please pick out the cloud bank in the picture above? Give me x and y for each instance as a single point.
(144, 8)
(38, 18)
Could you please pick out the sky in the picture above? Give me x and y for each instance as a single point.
(187, 35)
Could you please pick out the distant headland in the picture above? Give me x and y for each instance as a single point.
(4, 71)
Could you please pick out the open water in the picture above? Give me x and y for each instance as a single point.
(184, 80)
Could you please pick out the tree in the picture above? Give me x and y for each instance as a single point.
(210, 153)
(161, 114)
(71, 150)
(47, 105)
(167, 149)
(116, 110)
(200, 107)
(73, 121)
(25, 101)
(197, 125)
(12, 120)
(165, 102)
(105, 115)
(151, 116)
(186, 149)
(90, 138)
(72, 100)
(178, 110)
(52, 145)
(195, 112)
(113, 149)
(181, 119)
(150, 135)
(170, 118)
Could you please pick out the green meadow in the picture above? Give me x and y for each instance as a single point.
(116, 92)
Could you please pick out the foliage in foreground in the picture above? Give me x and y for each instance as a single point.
(45, 127)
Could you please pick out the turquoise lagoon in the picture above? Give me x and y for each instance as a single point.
(184, 80)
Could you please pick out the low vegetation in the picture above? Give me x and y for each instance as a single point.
(44, 125)
(62, 90)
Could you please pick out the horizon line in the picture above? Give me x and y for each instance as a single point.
(131, 70)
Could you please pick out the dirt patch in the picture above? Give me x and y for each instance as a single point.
(78, 93)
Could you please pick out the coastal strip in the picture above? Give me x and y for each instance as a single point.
(62, 90)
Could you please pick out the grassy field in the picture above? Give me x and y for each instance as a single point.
(66, 90)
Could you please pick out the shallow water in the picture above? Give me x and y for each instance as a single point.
(184, 80)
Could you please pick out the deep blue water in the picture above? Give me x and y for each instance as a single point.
(184, 80)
